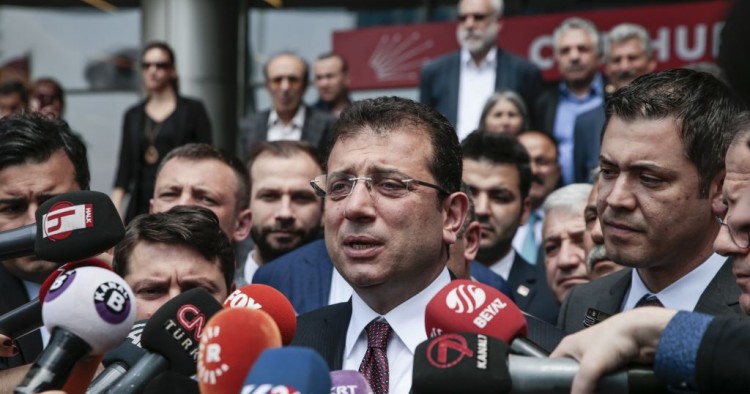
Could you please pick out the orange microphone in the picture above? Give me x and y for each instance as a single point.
(269, 300)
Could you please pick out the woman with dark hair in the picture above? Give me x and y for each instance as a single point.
(504, 112)
(153, 127)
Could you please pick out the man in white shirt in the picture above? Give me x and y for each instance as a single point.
(393, 208)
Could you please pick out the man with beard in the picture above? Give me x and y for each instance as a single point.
(497, 171)
(597, 262)
(577, 51)
(458, 84)
(286, 210)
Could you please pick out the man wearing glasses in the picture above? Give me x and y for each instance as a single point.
(286, 78)
(458, 84)
(393, 208)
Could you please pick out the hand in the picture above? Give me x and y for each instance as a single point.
(623, 338)
(7, 348)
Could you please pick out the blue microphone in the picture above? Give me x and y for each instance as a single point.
(292, 367)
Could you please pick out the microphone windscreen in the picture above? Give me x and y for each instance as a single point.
(468, 306)
(90, 262)
(461, 363)
(269, 300)
(174, 331)
(76, 225)
(93, 303)
(349, 382)
(298, 367)
(231, 342)
(171, 382)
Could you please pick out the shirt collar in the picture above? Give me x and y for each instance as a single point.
(597, 88)
(488, 61)
(406, 320)
(297, 121)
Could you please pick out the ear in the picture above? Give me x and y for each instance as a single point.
(243, 225)
(473, 236)
(715, 192)
(525, 210)
(455, 209)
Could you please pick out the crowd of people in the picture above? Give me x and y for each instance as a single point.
(612, 199)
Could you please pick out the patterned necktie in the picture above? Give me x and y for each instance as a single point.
(374, 365)
(529, 248)
(649, 300)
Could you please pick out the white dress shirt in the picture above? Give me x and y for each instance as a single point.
(476, 84)
(407, 322)
(277, 130)
(250, 267)
(682, 294)
(502, 267)
(340, 291)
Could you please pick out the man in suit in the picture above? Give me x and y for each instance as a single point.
(662, 167)
(563, 238)
(286, 210)
(628, 54)
(577, 52)
(598, 263)
(497, 171)
(393, 210)
(331, 72)
(286, 78)
(39, 158)
(458, 84)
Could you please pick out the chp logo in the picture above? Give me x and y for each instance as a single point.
(62, 282)
(112, 302)
(63, 218)
(448, 350)
(210, 366)
(465, 299)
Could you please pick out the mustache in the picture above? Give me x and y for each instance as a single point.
(537, 179)
(597, 254)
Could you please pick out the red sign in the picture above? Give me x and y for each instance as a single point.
(390, 57)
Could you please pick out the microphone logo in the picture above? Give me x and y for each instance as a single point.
(448, 350)
(63, 218)
(465, 298)
(61, 283)
(112, 302)
(268, 389)
(238, 299)
(210, 353)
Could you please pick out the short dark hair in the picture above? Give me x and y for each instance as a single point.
(305, 66)
(33, 138)
(385, 115)
(282, 148)
(15, 86)
(54, 85)
(200, 151)
(329, 55)
(190, 226)
(544, 135)
(703, 106)
(498, 148)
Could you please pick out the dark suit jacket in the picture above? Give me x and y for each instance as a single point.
(530, 290)
(723, 357)
(316, 130)
(439, 79)
(324, 330)
(587, 141)
(545, 110)
(14, 295)
(304, 276)
(606, 294)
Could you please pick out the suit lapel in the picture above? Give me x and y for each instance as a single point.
(311, 129)
(612, 304)
(336, 326)
(721, 296)
(522, 281)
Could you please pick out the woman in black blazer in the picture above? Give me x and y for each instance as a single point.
(153, 127)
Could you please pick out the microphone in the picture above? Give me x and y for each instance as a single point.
(171, 382)
(469, 306)
(301, 368)
(349, 382)
(231, 342)
(476, 363)
(269, 300)
(88, 310)
(69, 227)
(119, 360)
(171, 338)
(27, 318)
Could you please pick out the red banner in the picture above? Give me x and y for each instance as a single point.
(390, 57)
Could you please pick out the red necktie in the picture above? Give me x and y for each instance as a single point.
(374, 365)
(649, 300)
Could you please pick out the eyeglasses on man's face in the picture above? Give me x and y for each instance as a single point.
(339, 186)
(740, 238)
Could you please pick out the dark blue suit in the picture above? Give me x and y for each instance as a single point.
(304, 276)
(531, 292)
(587, 140)
(439, 79)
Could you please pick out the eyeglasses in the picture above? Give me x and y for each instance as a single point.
(475, 16)
(159, 65)
(740, 238)
(293, 81)
(339, 186)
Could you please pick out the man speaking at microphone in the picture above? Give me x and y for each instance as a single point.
(393, 208)
(39, 158)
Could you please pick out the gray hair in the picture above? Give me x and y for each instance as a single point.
(628, 31)
(513, 97)
(571, 198)
(577, 23)
(497, 6)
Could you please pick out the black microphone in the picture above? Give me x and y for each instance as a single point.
(172, 338)
(478, 363)
(89, 310)
(69, 227)
(119, 360)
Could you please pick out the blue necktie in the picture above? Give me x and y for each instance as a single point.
(529, 249)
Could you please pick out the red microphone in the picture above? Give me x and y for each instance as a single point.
(230, 343)
(468, 306)
(269, 300)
